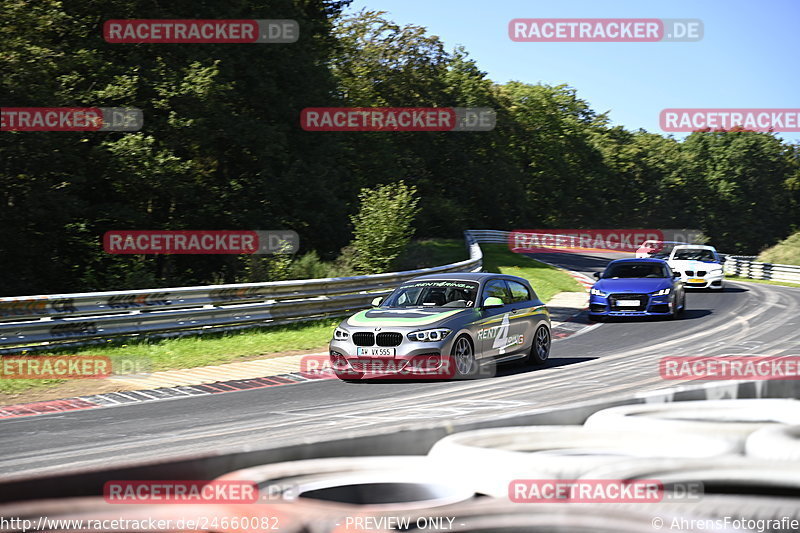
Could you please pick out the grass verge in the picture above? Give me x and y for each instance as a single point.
(194, 351)
(786, 252)
(546, 280)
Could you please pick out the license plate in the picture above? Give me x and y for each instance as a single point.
(375, 352)
(696, 280)
(628, 303)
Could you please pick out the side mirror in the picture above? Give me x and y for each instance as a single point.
(376, 302)
(596, 275)
(492, 301)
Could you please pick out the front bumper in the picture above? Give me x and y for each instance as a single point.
(707, 281)
(649, 305)
(411, 358)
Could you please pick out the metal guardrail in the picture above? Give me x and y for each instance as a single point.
(489, 236)
(744, 266)
(65, 318)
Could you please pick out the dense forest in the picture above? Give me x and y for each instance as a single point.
(222, 147)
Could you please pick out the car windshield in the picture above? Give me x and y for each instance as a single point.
(635, 270)
(694, 254)
(434, 294)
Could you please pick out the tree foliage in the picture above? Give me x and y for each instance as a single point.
(383, 226)
(222, 148)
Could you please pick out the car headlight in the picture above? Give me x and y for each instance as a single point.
(429, 335)
(662, 292)
(715, 271)
(340, 335)
(596, 292)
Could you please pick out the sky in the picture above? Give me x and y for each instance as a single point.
(749, 56)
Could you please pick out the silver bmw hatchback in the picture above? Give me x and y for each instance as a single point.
(444, 326)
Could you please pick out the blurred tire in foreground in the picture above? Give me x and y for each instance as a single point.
(497, 456)
(730, 419)
(780, 443)
(322, 492)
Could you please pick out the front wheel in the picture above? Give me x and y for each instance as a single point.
(466, 366)
(676, 309)
(540, 350)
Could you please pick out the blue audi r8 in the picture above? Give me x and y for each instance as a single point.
(637, 287)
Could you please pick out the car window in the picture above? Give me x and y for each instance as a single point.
(695, 255)
(434, 293)
(408, 297)
(519, 292)
(497, 288)
(636, 270)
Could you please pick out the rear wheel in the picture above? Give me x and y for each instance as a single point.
(540, 350)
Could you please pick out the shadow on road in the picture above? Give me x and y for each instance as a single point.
(507, 369)
(689, 314)
(514, 369)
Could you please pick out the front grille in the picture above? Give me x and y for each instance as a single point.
(690, 273)
(389, 339)
(642, 298)
(701, 273)
(364, 338)
(377, 366)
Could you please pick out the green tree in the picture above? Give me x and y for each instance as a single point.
(743, 188)
(383, 225)
(221, 147)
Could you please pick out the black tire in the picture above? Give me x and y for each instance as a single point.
(676, 311)
(540, 348)
(465, 366)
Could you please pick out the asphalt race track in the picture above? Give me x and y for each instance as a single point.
(602, 361)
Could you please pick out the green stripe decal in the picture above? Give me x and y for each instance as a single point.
(361, 319)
